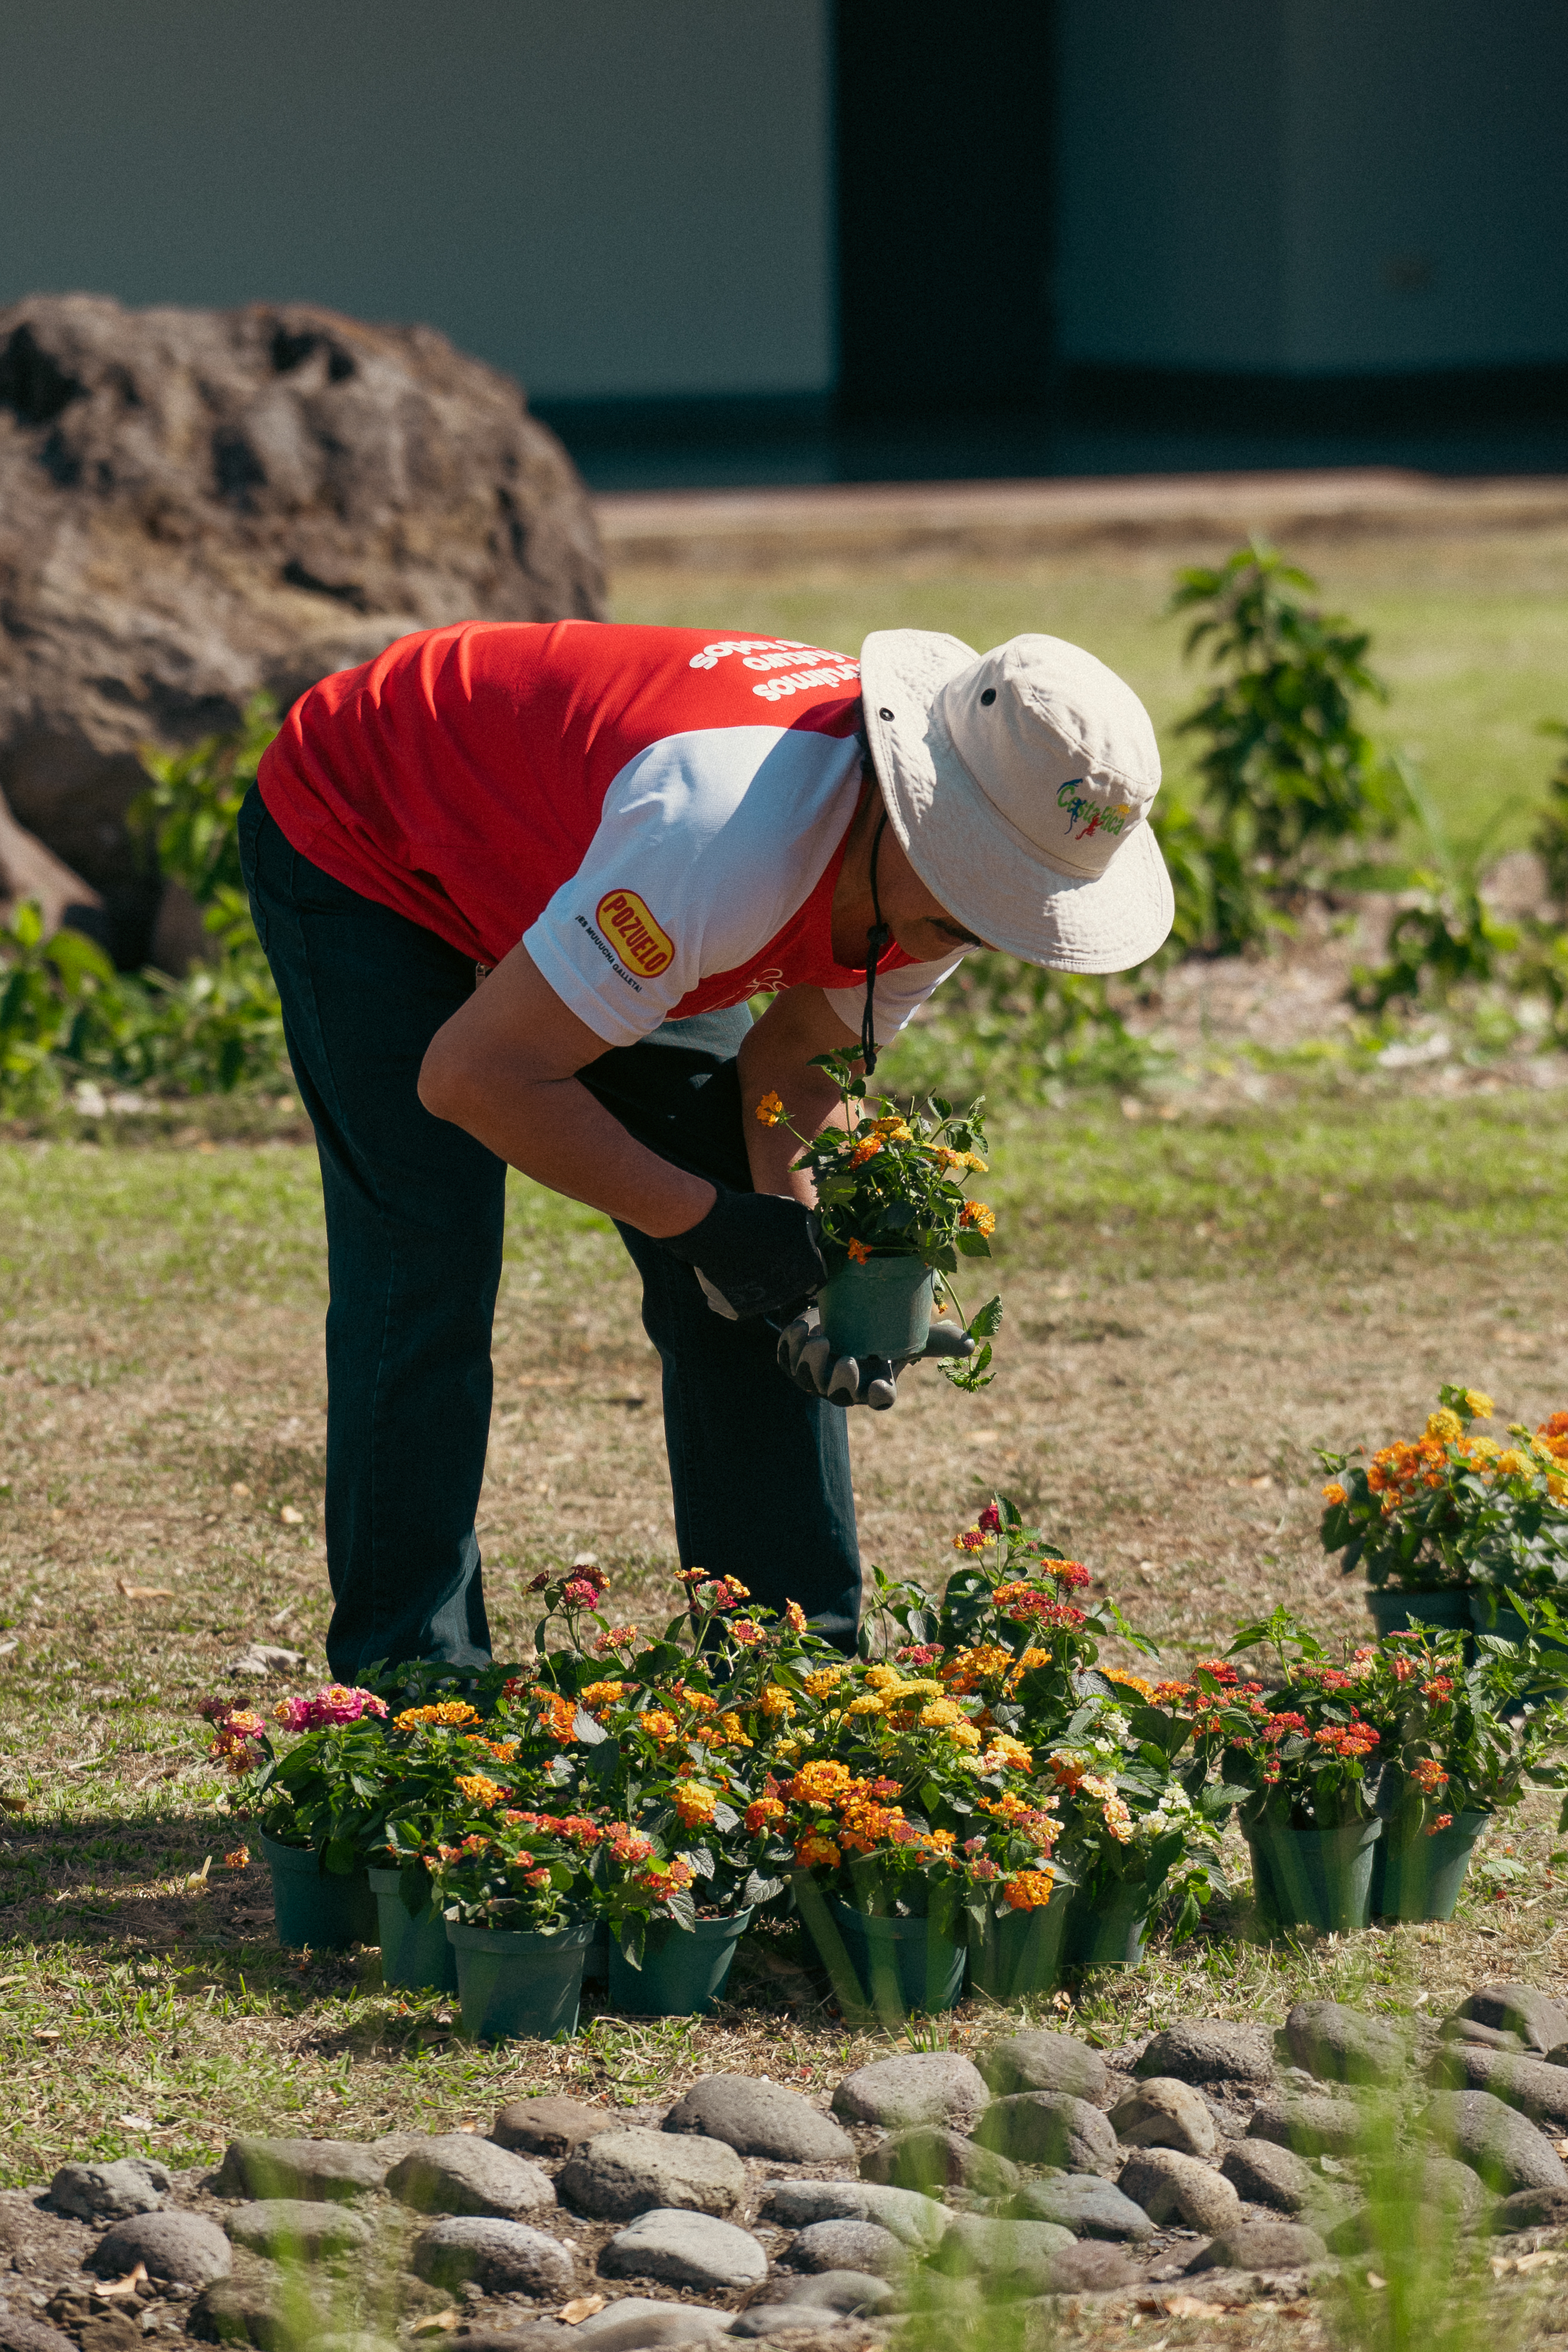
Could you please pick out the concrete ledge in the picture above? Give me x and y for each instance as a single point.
(762, 528)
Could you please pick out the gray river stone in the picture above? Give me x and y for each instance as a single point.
(619, 2174)
(550, 2127)
(1539, 2022)
(1042, 2061)
(1339, 2045)
(1529, 2209)
(1267, 2174)
(849, 2246)
(1048, 2128)
(1200, 2052)
(1312, 2123)
(302, 2229)
(761, 2119)
(1536, 2089)
(20, 2331)
(109, 2192)
(501, 2257)
(1261, 2246)
(1495, 2141)
(1083, 2203)
(847, 2291)
(185, 2247)
(1170, 2186)
(931, 2158)
(915, 2219)
(928, 2087)
(1018, 2255)
(1165, 2111)
(316, 2169)
(457, 2172)
(685, 2248)
(637, 2320)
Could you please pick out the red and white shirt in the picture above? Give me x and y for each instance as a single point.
(659, 814)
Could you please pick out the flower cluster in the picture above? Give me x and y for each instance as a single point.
(336, 1704)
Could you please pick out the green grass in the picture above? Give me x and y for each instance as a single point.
(1468, 633)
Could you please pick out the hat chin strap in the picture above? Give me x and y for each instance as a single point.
(876, 940)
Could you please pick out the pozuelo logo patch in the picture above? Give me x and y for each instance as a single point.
(625, 918)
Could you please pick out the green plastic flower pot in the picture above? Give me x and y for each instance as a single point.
(315, 1907)
(1420, 1877)
(1107, 1931)
(899, 1964)
(1314, 1878)
(880, 1308)
(1021, 1951)
(1446, 1609)
(683, 1970)
(515, 1986)
(415, 1951)
(597, 1958)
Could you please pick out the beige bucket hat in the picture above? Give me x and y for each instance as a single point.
(1019, 783)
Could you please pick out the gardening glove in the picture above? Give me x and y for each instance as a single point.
(753, 1253)
(807, 1357)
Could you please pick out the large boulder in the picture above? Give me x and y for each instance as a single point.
(197, 504)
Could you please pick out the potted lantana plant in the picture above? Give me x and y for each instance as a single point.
(1304, 1764)
(519, 1907)
(1461, 1735)
(1448, 1525)
(895, 1220)
(316, 1805)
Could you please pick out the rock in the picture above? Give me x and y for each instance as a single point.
(108, 2192)
(1083, 2203)
(239, 2310)
(915, 2219)
(1312, 2127)
(928, 2158)
(760, 2119)
(637, 2320)
(620, 2174)
(1447, 2195)
(848, 2291)
(1044, 2061)
(195, 504)
(29, 870)
(501, 2257)
(548, 2126)
(455, 2172)
(932, 2087)
(1266, 2174)
(1536, 2089)
(1090, 2269)
(1261, 2246)
(21, 2332)
(1340, 2045)
(1529, 2209)
(804, 2328)
(185, 2247)
(1009, 2256)
(261, 1659)
(1171, 2186)
(1048, 2128)
(1493, 2037)
(1539, 2022)
(1164, 2113)
(849, 2246)
(315, 2169)
(686, 2249)
(1204, 2053)
(297, 2229)
(1495, 2141)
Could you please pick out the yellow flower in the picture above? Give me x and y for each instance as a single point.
(450, 1711)
(883, 1678)
(964, 1734)
(776, 1701)
(1011, 1752)
(939, 1714)
(870, 1705)
(1479, 1407)
(978, 1217)
(1512, 1464)
(1484, 1449)
(736, 1730)
(602, 1694)
(794, 1617)
(1139, 1683)
(695, 1804)
(825, 1679)
(770, 1110)
(657, 1724)
(480, 1789)
(1445, 1426)
(972, 1159)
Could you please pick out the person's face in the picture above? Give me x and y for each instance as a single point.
(920, 922)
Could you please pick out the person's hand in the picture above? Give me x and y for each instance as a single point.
(806, 1356)
(754, 1253)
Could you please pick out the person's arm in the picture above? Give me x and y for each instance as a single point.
(505, 1068)
(775, 1058)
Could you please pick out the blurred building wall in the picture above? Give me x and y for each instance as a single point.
(605, 196)
(1312, 186)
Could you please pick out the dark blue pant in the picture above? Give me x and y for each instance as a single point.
(415, 1210)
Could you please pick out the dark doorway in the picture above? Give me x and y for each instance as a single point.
(944, 114)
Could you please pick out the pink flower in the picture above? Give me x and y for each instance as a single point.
(990, 1520)
(744, 1632)
(336, 1704)
(581, 1594)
